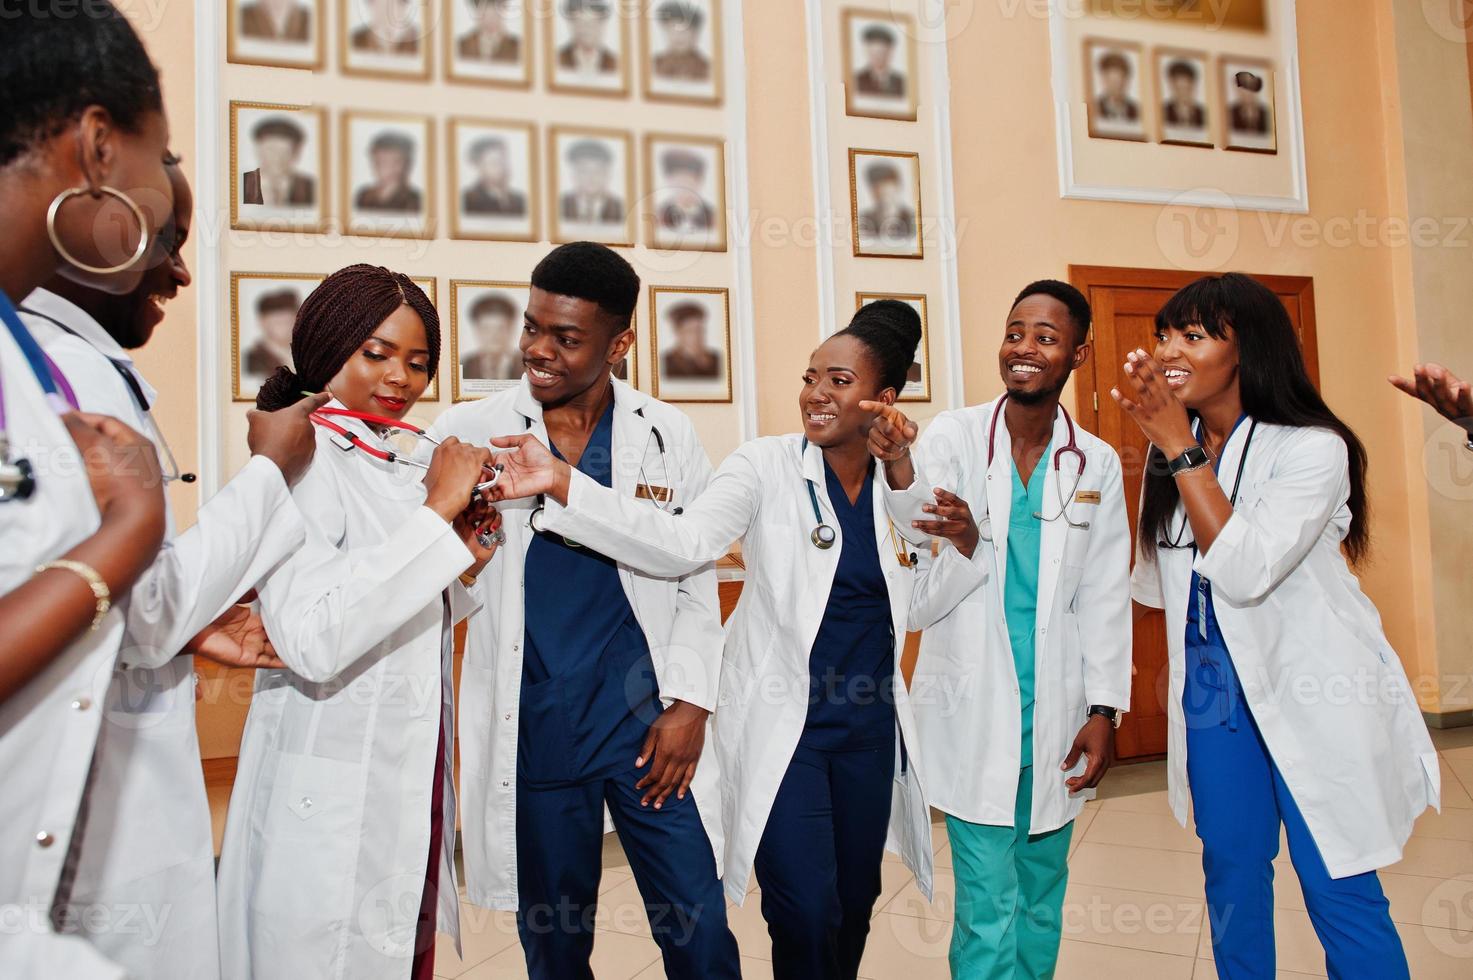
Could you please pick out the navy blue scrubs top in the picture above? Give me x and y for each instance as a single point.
(589, 691)
(851, 698)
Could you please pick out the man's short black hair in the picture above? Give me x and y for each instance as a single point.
(593, 272)
(52, 67)
(1072, 299)
(281, 127)
(1181, 69)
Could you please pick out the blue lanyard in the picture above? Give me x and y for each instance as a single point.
(58, 392)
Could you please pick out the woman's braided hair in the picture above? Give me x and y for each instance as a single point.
(336, 319)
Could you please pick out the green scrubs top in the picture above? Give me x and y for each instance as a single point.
(1020, 594)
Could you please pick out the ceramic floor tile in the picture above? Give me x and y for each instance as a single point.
(906, 946)
(1082, 823)
(1298, 948)
(1153, 830)
(1137, 920)
(752, 969)
(1455, 793)
(1091, 961)
(1443, 903)
(483, 934)
(910, 901)
(750, 929)
(1437, 954)
(1154, 802)
(1207, 970)
(893, 879)
(1450, 739)
(615, 957)
(1435, 858)
(1450, 824)
(1146, 869)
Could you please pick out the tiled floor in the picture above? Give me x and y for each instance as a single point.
(1134, 908)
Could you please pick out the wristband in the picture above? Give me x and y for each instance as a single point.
(94, 581)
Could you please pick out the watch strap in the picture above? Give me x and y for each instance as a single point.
(1194, 458)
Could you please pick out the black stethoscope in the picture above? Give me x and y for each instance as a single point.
(171, 466)
(1175, 543)
(1070, 448)
(824, 536)
(18, 476)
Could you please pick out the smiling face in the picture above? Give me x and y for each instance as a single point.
(1199, 368)
(167, 275)
(841, 373)
(569, 345)
(1039, 349)
(389, 371)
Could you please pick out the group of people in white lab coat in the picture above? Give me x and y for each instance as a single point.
(573, 522)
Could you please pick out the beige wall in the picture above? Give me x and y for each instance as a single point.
(1388, 134)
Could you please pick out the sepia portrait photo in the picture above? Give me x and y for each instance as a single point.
(488, 42)
(918, 378)
(685, 193)
(593, 185)
(485, 336)
(681, 40)
(384, 38)
(885, 203)
(278, 167)
(587, 47)
(263, 311)
(1248, 94)
(275, 33)
(692, 344)
(1113, 88)
(388, 175)
(493, 174)
(1181, 81)
(879, 65)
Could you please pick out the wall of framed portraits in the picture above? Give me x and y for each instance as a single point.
(881, 133)
(1201, 106)
(459, 140)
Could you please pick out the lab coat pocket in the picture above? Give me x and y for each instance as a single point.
(548, 747)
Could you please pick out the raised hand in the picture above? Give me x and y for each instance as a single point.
(1153, 406)
(1440, 388)
(529, 469)
(477, 523)
(285, 437)
(455, 469)
(953, 521)
(892, 434)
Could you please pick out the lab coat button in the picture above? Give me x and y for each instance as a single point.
(81, 704)
(515, 647)
(505, 782)
(306, 803)
(506, 717)
(44, 839)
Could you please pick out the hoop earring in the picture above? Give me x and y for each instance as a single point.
(95, 270)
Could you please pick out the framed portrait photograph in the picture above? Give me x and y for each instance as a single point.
(918, 378)
(494, 177)
(592, 180)
(1112, 83)
(263, 311)
(1248, 112)
(384, 38)
(587, 47)
(1181, 80)
(485, 336)
(681, 41)
(879, 64)
(278, 167)
(691, 336)
(388, 175)
(488, 42)
(885, 203)
(685, 193)
(275, 33)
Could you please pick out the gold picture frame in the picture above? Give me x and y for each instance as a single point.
(651, 88)
(856, 217)
(649, 211)
(1200, 60)
(350, 222)
(1269, 73)
(918, 301)
(348, 53)
(458, 228)
(237, 40)
(721, 392)
(236, 279)
(451, 55)
(431, 287)
(457, 392)
(870, 106)
(322, 220)
(1098, 128)
(555, 191)
(550, 57)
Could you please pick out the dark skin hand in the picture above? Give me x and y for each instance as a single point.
(672, 749)
(237, 639)
(1443, 390)
(1097, 741)
(954, 522)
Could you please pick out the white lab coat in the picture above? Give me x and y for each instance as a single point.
(679, 614)
(1327, 690)
(965, 689)
(760, 495)
(327, 838)
(49, 728)
(145, 883)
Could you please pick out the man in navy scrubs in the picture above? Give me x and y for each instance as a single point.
(587, 685)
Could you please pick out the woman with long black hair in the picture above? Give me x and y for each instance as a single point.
(1287, 705)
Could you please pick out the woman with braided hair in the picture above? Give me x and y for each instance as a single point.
(338, 844)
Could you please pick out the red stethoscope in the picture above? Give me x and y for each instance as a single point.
(1071, 448)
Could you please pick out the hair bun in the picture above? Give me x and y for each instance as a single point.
(278, 391)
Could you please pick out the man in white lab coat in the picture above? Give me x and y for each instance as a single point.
(143, 887)
(1018, 691)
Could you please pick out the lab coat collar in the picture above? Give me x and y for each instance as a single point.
(395, 480)
(813, 467)
(80, 322)
(626, 399)
(632, 431)
(1000, 498)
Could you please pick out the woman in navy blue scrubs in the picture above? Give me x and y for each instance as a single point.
(813, 729)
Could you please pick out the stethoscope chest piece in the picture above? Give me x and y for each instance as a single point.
(823, 537)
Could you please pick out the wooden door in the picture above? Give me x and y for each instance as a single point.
(1125, 302)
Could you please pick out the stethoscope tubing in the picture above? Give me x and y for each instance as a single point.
(1071, 448)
